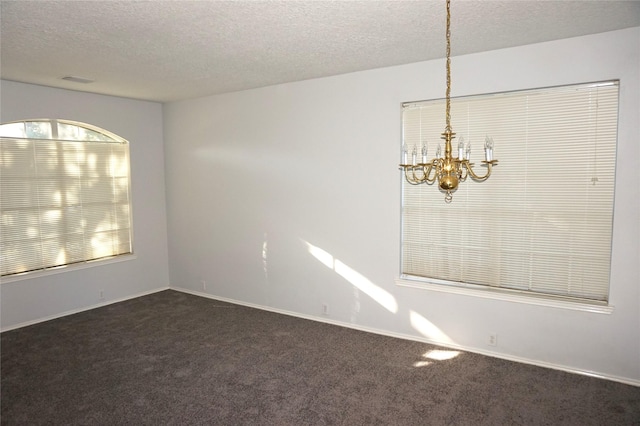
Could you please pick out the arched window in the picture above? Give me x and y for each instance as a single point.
(64, 195)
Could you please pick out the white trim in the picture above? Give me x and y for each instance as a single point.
(564, 368)
(509, 296)
(67, 268)
(86, 308)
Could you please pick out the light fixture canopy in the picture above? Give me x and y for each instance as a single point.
(447, 170)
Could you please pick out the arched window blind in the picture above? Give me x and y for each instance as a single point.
(64, 195)
(542, 223)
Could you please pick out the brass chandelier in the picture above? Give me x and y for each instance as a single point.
(447, 170)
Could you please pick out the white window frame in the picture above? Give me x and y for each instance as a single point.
(471, 126)
(110, 170)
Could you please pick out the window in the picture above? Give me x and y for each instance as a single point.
(542, 223)
(64, 193)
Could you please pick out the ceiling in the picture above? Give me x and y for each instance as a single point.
(173, 50)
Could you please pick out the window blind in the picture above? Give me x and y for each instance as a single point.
(542, 222)
(62, 201)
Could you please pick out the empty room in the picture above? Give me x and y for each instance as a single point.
(320, 212)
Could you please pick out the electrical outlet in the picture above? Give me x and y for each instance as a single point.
(101, 294)
(492, 339)
(325, 309)
(204, 284)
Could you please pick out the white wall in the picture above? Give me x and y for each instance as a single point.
(253, 177)
(140, 123)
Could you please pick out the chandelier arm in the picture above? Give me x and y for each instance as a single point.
(464, 171)
(411, 180)
(412, 177)
(416, 178)
(428, 168)
(426, 172)
(474, 176)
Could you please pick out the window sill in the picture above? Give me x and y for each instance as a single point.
(509, 296)
(66, 268)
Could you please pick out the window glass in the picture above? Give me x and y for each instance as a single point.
(13, 130)
(67, 131)
(38, 129)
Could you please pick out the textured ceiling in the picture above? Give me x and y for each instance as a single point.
(173, 50)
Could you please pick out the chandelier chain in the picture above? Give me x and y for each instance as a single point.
(448, 94)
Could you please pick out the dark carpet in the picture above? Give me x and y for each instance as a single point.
(175, 359)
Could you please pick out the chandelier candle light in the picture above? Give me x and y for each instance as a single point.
(447, 170)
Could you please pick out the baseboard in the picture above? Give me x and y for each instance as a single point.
(83, 309)
(522, 360)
